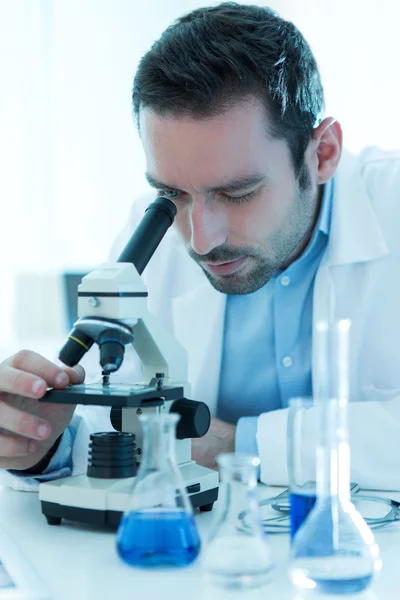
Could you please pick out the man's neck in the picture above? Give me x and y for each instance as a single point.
(306, 239)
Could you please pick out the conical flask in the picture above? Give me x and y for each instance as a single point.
(237, 557)
(334, 551)
(158, 528)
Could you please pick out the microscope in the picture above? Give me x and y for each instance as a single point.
(112, 311)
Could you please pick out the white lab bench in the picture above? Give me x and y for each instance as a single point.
(80, 562)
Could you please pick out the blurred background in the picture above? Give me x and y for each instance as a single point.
(71, 162)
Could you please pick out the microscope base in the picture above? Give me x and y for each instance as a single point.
(103, 501)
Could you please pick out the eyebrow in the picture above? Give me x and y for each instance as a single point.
(234, 185)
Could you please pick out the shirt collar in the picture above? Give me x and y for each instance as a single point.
(324, 220)
(319, 236)
(323, 223)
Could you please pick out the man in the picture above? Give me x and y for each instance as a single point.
(276, 228)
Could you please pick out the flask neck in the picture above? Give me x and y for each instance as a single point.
(333, 454)
(332, 393)
(158, 442)
(239, 494)
(238, 484)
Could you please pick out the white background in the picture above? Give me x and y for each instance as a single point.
(70, 158)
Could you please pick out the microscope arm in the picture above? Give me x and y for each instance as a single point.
(112, 305)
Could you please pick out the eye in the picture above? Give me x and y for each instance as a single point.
(168, 193)
(239, 199)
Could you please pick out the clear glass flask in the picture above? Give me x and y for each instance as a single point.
(334, 551)
(158, 528)
(236, 557)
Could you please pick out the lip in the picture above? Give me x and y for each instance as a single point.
(227, 268)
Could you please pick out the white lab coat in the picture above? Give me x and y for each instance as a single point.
(358, 279)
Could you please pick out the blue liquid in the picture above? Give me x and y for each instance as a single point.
(153, 539)
(300, 506)
(343, 586)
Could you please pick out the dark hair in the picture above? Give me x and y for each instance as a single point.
(212, 57)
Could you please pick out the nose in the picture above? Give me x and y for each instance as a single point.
(208, 222)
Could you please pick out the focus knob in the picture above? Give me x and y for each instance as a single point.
(195, 418)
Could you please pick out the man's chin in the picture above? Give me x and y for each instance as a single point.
(236, 284)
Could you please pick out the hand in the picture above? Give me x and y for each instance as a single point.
(29, 428)
(219, 438)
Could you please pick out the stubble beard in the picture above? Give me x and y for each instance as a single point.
(262, 267)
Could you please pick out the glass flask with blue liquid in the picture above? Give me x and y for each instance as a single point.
(158, 528)
(333, 551)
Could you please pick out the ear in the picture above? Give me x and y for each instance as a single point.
(327, 138)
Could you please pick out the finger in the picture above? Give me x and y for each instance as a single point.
(12, 446)
(21, 422)
(17, 374)
(76, 374)
(21, 383)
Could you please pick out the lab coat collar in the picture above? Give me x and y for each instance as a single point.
(355, 235)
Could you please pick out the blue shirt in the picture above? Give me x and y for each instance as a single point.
(61, 462)
(266, 356)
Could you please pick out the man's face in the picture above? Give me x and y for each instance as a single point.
(241, 211)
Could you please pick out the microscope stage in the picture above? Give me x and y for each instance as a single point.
(117, 395)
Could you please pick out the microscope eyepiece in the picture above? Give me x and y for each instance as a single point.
(112, 349)
(146, 238)
(77, 345)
